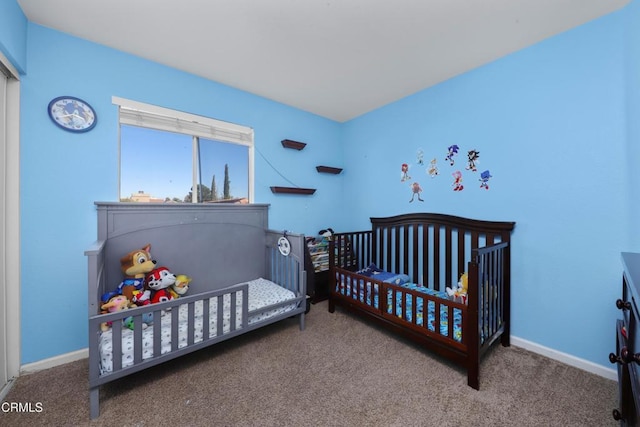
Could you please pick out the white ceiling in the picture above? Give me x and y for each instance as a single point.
(335, 58)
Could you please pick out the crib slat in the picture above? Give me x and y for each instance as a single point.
(191, 323)
(137, 339)
(405, 250)
(461, 256)
(232, 312)
(447, 257)
(436, 257)
(205, 319)
(116, 337)
(220, 311)
(415, 275)
(157, 335)
(426, 278)
(174, 329)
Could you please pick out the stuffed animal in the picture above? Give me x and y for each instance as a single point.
(326, 234)
(463, 283)
(134, 266)
(459, 293)
(181, 286)
(159, 278)
(116, 303)
(158, 281)
(138, 262)
(129, 287)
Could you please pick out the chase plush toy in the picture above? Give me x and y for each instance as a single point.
(134, 266)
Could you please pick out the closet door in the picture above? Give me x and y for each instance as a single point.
(4, 375)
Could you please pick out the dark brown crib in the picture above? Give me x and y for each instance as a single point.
(433, 250)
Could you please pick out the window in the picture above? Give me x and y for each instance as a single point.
(166, 154)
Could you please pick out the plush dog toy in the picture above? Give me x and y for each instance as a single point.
(181, 286)
(158, 281)
(137, 263)
(134, 266)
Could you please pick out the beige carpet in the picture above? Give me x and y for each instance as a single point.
(338, 372)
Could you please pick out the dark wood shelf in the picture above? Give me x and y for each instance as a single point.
(292, 190)
(288, 143)
(328, 169)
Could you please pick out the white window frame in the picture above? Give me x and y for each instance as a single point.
(137, 113)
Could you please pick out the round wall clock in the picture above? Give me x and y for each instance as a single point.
(72, 114)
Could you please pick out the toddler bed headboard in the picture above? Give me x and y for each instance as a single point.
(217, 245)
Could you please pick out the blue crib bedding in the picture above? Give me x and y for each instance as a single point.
(346, 289)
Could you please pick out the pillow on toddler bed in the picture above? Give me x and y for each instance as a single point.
(376, 273)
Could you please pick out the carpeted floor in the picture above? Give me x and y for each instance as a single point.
(338, 372)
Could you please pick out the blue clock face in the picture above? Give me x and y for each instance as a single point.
(72, 114)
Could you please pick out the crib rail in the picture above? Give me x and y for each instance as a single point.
(490, 269)
(356, 289)
(406, 313)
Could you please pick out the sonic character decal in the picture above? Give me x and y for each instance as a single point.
(484, 179)
(433, 168)
(472, 156)
(452, 150)
(457, 181)
(405, 172)
(416, 190)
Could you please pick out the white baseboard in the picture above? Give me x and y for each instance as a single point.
(54, 361)
(565, 358)
(5, 390)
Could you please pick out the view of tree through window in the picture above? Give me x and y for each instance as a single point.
(158, 166)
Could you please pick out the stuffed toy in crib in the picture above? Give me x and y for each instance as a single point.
(158, 281)
(135, 265)
(459, 293)
(180, 287)
(115, 303)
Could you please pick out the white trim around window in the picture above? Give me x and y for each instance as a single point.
(137, 113)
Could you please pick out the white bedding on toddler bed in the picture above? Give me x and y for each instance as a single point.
(262, 293)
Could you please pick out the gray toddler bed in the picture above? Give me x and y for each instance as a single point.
(228, 252)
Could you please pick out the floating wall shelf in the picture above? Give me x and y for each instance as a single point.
(292, 190)
(328, 169)
(288, 143)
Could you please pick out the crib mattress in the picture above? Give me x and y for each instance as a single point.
(443, 327)
(262, 293)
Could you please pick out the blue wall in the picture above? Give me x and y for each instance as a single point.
(13, 34)
(550, 123)
(62, 174)
(632, 68)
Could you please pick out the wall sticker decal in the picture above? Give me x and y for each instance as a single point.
(484, 179)
(457, 181)
(433, 168)
(416, 190)
(405, 172)
(452, 150)
(473, 156)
